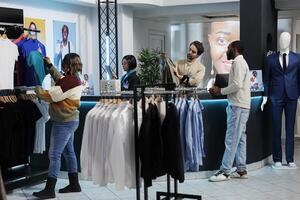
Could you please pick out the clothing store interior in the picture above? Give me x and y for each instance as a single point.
(149, 99)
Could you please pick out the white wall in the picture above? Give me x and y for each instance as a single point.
(93, 46)
(84, 17)
(296, 47)
(141, 30)
(125, 34)
(178, 41)
(285, 25)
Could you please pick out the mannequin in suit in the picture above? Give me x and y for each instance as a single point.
(281, 81)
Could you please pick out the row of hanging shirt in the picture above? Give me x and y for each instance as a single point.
(191, 131)
(170, 141)
(22, 127)
(107, 152)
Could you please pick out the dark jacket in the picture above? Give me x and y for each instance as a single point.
(172, 158)
(150, 145)
(277, 82)
(132, 80)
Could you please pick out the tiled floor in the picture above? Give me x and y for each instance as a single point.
(263, 184)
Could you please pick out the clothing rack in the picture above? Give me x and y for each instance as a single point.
(116, 94)
(169, 89)
(27, 173)
(7, 26)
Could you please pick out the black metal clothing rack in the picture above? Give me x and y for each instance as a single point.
(5, 27)
(169, 90)
(27, 173)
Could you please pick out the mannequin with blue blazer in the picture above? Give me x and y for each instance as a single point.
(282, 85)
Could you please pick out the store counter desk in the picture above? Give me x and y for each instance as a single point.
(214, 120)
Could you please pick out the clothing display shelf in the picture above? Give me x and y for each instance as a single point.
(26, 173)
(165, 90)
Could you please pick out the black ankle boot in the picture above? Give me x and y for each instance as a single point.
(73, 186)
(48, 192)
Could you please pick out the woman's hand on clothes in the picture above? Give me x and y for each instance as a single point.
(48, 62)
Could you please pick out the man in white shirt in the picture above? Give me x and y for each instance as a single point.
(238, 94)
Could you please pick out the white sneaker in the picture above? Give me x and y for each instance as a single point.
(277, 165)
(239, 174)
(219, 176)
(292, 165)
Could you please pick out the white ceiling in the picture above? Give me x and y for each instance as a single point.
(189, 10)
(190, 13)
(280, 4)
(284, 5)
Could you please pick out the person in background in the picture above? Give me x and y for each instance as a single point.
(63, 47)
(130, 78)
(85, 84)
(238, 94)
(254, 82)
(189, 72)
(64, 100)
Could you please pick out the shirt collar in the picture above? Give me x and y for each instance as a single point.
(239, 56)
(191, 62)
(282, 52)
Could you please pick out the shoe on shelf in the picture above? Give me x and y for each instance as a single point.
(239, 174)
(277, 165)
(219, 176)
(292, 165)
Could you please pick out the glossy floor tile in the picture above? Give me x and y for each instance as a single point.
(263, 184)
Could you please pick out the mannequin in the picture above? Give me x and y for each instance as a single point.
(281, 80)
(284, 43)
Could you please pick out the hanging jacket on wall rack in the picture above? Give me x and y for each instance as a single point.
(28, 61)
(18, 120)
